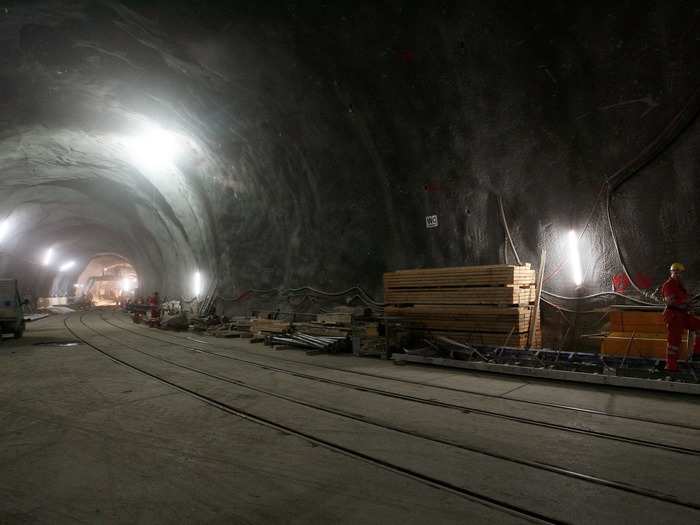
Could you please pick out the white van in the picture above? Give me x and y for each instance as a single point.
(11, 314)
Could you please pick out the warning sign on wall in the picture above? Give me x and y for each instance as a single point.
(431, 221)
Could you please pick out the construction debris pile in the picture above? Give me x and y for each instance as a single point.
(331, 345)
(324, 332)
(586, 367)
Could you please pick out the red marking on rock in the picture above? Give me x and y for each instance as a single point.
(642, 280)
(407, 56)
(620, 282)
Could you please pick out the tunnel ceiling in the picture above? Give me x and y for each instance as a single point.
(312, 141)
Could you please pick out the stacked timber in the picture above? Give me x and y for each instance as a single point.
(269, 326)
(335, 318)
(337, 323)
(236, 327)
(638, 332)
(322, 330)
(488, 305)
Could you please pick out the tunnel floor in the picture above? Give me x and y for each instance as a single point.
(143, 426)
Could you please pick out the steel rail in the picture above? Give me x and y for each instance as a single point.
(489, 413)
(482, 499)
(667, 498)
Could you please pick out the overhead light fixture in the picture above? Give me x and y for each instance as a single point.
(197, 283)
(66, 266)
(575, 258)
(155, 148)
(48, 256)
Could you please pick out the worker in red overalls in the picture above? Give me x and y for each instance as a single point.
(677, 317)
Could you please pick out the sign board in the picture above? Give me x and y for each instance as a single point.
(431, 221)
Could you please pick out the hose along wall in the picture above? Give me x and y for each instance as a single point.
(680, 122)
(307, 293)
(686, 116)
(676, 127)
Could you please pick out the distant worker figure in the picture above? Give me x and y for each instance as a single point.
(677, 317)
(154, 302)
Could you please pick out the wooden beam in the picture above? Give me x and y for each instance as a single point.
(538, 295)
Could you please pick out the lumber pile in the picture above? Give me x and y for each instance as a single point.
(335, 318)
(236, 327)
(271, 326)
(638, 333)
(487, 305)
(322, 330)
(337, 323)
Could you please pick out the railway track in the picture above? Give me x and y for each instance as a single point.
(503, 506)
(580, 410)
(552, 469)
(431, 402)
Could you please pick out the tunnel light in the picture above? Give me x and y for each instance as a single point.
(4, 228)
(126, 285)
(155, 148)
(48, 256)
(197, 283)
(66, 266)
(576, 273)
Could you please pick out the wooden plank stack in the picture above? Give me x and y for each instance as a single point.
(489, 305)
(335, 318)
(237, 327)
(271, 326)
(638, 333)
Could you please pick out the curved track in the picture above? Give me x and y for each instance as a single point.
(383, 392)
(574, 409)
(553, 469)
(516, 510)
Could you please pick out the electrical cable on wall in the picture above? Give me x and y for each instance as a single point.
(671, 132)
(681, 121)
(507, 230)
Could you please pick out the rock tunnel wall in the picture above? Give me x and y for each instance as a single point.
(321, 137)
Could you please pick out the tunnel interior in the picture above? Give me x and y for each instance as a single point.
(273, 147)
(267, 168)
(107, 280)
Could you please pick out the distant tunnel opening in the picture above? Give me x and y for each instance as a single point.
(106, 280)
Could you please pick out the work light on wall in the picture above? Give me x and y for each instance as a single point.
(197, 283)
(48, 257)
(575, 258)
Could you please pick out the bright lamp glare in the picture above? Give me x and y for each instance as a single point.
(66, 266)
(197, 283)
(48, 256)
(576, 273)
(155, 148)
(4, 227)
